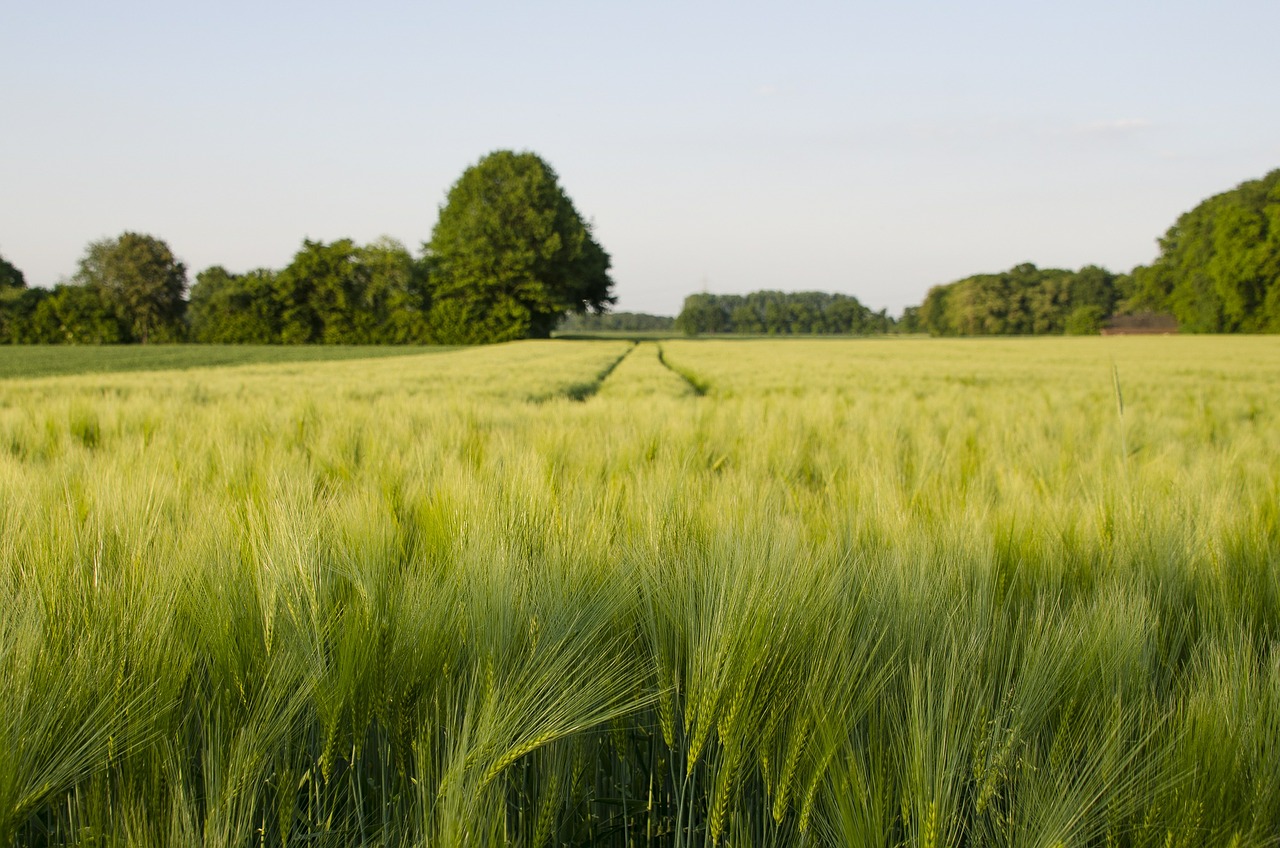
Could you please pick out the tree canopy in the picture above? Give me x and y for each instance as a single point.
(228, 308)
(1024, 300)
(626, 322)
(139, 279)
(15, 308)
(336, 293)
(10, 276)
(510, 255)
(780, 313)
(1219, 264)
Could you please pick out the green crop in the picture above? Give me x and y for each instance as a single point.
(686, 593)
(53, 360)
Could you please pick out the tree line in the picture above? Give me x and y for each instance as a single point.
(1025, 300)
(1219, 264)
(1218, 271)
(779, 313)
(132, 289)
(507, 259)
(620, 322)
(126, 289)
(510, 257)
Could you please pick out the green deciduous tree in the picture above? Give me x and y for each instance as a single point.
(75, 314)
(1025, 300)
(627, 322)
(15, 302)
(1219, 264)
(779, 313)
(396, 294)
(70, 314)
(322, 292)
(341, 293)
(336, 293)
(510, 255)
(140, 281)
(10, 276)
(17, 312)
(1085, 321)
(228, 308)
(703, 313)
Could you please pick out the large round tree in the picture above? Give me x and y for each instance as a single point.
(510, 254)
(138, 277)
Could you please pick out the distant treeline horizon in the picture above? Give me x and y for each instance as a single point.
(1218, 272)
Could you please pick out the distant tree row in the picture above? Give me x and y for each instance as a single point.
(131, 289)
(1024, 300)
(622, 322)
(780, 313)
(125, 289)
(508, 258)
(337, 293)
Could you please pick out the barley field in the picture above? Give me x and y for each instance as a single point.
(678, 593)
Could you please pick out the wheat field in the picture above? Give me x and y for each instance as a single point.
(688, 593)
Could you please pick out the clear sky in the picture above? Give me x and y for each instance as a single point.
(873, 148)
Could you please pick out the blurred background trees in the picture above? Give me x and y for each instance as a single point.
(511, 257)
(130, 288)
(1219, 264)
(139, 281)
(1025, 300)
(777, 313)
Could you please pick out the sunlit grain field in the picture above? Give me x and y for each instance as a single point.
(747, 593)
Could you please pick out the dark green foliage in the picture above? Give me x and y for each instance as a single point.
(1219, 265)
(78, 315)
(142, 283)
(615, 322)
(19, 307)
(230, 308)
(510, 255)
(70, 314)
(338, 293)
(130, 289)
(10, 276)
(342, 294)
(396, 293)
(780, 313)
(703, 313)
(17, 311)
(910, 321)
(1218, 272)
(1085, 321)
(1025, 300)
(294, 289)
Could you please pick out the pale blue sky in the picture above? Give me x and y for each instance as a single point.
(869, 148)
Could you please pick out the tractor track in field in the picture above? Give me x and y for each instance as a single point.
(587, 389)
(583, 391)
(698, 385)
